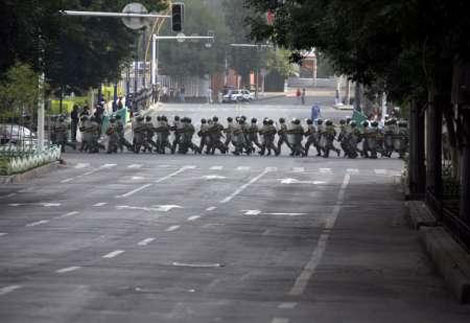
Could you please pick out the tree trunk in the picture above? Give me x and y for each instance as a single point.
(434, 153)
(465, 173)
(416, 164)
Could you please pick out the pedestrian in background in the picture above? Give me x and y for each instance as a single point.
(303, 96)
(316, 112)
(298, 95)
(75, 118)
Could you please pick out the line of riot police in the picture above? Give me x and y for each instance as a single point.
(240, 136)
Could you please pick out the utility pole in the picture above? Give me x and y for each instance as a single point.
(41, 82)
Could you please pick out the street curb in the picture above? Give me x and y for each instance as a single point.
(450, 259)
(33, 173)
(419, 215)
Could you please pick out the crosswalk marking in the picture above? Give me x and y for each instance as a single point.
(145, 241)
(100, 204)
(134, 166)
(113, 254)
(380, 171)
(172, 228)
(9, 289)
(298, 170)
(35, 224)
(352, 170)
(67, 270)
(217, 167)
(325, 170)
(243, 168)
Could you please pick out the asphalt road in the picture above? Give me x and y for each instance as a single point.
(148, 238)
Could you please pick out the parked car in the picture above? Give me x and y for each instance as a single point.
(14, 134)
(234, 96)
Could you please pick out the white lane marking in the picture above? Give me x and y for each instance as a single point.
(243, 168)
(89, 172)
(100, 204)
(182, 169)
(145, 241)
(271, 169)
(134, 166)
(164, 166)
(35, 224)
(66, 215)
(296, 181)
(244, 186)
(166, 208)
(380, 171)
(310, 268)
(287, 305)
(137, 178)
(143, 187)
(14, 204)
(217, 167)
(113, 254)
(352, 170)
(9, 289)
(173, 228)
(2, 234)
(8, 195)
(50, 204)
(280, 320)
(81, 165)
(67, 269)
(298, 170)
(252, 212)
(196, 265)
(194, 217)
(211, 208)
(285, 214)
(325, 170)
(209, 177)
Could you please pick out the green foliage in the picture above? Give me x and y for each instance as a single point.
(279, 61)
(193, 58)
(19, 90)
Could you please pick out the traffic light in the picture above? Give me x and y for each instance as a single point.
(177, 17)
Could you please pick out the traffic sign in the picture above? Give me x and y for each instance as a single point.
(134, 23)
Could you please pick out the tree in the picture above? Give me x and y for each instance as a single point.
(19, 91)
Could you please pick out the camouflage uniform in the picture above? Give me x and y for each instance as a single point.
(330, 135)
(113, 137)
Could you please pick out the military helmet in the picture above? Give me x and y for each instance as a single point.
(243, 117)
(140, 118)
(159, 118)
(215, 118)
(309, 121)
(329, 122)
(319, 121)
(348, 120)
(254, 120)
(203, 120)
(189, 120)
(365, 123)
(374, 124)
(112, 120)
(164, 118)
(229, 119)
(265, 121)
(402, 123)
(353, 124)
(118, 117)
(84, 117)
(177, 118)
(148, 118)
(297, 121)
(282, 120)
(342, 121)
(270, 122)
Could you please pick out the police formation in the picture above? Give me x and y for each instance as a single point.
(243, 137)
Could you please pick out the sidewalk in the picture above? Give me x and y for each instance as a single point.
(375, 268)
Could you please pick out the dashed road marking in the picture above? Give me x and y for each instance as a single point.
(211, 208)
(134, 166)
(2, 234)
(287, 305)
(143, 187)
(352, 170)
(271, 169)
(172, 228)
(243, 168)
(325, 170)
(145, 241)
(8, 195)
(66, 215)
(380, 171)
(280, 320)
(252, 212)
(109, 165)
(88, 173)
(194, 217)
(67, 269)
(217, 167)
(9, 289)
(197, 265)
(298, 170)
(35, 224)
(113, 254)
(100, 204)
(81, 165)
(285, 213)
(244, 186)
